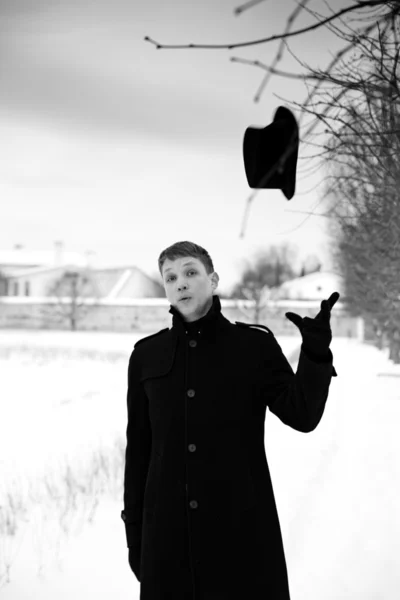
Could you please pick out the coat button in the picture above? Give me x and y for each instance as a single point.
(192, 447)
(193, 343)
(123, 516)
(193, 504)
(191, 393)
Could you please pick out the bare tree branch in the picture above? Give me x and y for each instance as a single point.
(244, 7)
(352, 8)
(257, 63)
(279, 55)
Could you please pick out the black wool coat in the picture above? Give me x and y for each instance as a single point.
(199, 509)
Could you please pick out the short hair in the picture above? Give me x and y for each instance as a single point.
(181, 249)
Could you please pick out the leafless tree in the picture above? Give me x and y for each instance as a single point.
(311, 264)
(76, 293)
(261, 279)
(3, 284)
(364, 187)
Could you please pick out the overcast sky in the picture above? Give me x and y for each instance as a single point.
(114, 146)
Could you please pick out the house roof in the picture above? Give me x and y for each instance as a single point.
(111, 282)
(308, 285)
(316, 276)
(38, 270)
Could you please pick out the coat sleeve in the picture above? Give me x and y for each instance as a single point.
(137, 456)
(298, 400)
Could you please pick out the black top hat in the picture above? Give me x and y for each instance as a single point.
(270, 153)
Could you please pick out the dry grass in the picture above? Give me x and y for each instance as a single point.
(64, 500)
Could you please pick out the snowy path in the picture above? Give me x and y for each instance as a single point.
(337, 491)
(338, 488)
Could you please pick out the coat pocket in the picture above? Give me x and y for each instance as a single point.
(159, 387)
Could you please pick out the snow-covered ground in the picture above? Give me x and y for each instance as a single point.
(63, 402)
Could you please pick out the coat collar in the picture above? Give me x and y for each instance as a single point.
(159, 355)
(205, 327)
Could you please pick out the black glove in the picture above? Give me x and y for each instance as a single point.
(316, 333)
(134, 562)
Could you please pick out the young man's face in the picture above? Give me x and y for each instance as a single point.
(187, 276)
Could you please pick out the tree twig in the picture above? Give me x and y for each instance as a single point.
(270, 38)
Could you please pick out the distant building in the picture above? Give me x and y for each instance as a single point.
(27, 273)
(315, 286)
(110, 283)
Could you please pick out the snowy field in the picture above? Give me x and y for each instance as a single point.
(62, 438)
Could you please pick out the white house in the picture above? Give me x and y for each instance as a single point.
(32, 273)
(315, 286)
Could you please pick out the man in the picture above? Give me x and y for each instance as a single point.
(199, 508)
